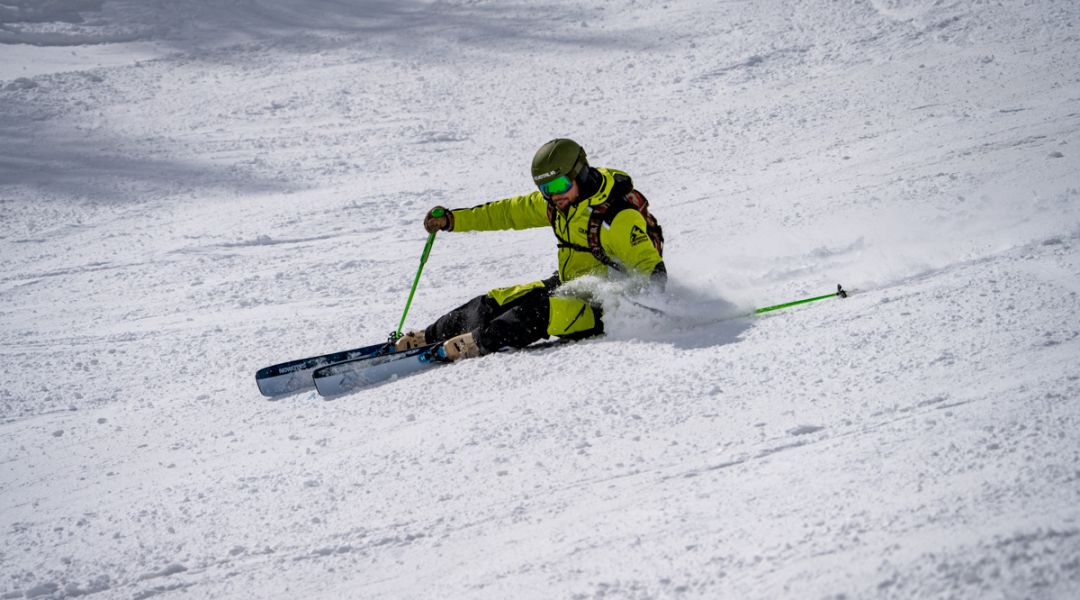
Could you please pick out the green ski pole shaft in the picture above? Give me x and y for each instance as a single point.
(416, 280)
(839, 293)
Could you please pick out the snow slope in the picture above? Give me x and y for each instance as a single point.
(191, 190)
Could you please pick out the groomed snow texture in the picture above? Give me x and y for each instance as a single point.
(191, 190)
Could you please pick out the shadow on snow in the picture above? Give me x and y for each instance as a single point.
(56, 163)
(402, 28)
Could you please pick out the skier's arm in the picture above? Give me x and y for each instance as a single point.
(627, 243)
(519, 212)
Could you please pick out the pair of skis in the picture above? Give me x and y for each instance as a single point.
(343, 372)
(353, 370)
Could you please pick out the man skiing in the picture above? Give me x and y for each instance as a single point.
(600, 222)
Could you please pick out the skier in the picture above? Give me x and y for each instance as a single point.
(601, 223)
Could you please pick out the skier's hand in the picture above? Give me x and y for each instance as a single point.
(439, 219)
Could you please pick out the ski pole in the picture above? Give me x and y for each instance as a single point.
(438, 212)
(839, 293)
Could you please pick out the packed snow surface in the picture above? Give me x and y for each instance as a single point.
(191, 190)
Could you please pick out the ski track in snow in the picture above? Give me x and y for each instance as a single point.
(192, 190)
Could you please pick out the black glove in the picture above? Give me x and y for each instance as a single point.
(439, 219)
(658, 278)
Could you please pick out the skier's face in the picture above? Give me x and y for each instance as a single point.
(564, 200)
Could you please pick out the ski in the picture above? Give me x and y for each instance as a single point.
(352, 375)
(296, 375)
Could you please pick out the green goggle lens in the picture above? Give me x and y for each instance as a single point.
(559, 185)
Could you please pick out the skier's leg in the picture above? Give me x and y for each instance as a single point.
(522, 324)
(574, 318)
(466, 317)
(537, 316)
(482, 310)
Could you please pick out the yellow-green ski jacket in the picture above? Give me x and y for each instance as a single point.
(623, 239)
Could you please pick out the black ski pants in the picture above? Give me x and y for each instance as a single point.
(518, 316)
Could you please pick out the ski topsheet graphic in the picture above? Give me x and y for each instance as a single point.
(349, 376)
(295, 375)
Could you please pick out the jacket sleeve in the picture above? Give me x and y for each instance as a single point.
(519, 212)
(627, 242)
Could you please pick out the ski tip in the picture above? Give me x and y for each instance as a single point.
(840, 291)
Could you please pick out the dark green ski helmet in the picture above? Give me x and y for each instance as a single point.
(555, 160)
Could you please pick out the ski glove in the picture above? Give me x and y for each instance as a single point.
(442, 223)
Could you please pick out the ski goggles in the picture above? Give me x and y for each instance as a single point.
(559, 185)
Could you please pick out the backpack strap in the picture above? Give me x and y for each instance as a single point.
(592, 232)
(638, 202)
(601, 214)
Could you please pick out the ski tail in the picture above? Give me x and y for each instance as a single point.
(295, 375)
(352, 375)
